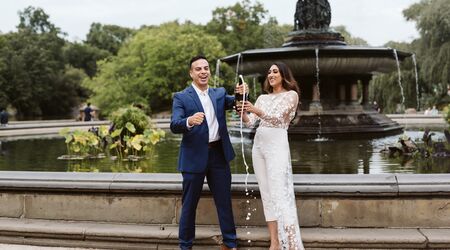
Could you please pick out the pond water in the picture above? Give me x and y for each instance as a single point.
(308, 157)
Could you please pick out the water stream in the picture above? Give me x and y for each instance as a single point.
(399, 80)
(319, 135)
(417, 81)
(217, 76)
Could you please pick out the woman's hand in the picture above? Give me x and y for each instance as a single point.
(244, 115)
(248, 107)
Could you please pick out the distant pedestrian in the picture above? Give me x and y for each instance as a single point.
(88, 112)
(3, 117)
(434, 111)
(376, 107)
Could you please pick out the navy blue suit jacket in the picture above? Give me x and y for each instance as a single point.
(193, 156)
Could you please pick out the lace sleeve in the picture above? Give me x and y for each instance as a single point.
(252, 117)
(282, 112)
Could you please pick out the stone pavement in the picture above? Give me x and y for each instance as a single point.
(138, 236)
(46, 127)
(418, 121)
(31, 128)
(29, 247)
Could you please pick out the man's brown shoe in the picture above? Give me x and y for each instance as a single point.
(223, 247)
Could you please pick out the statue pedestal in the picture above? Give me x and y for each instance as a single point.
(313, 37)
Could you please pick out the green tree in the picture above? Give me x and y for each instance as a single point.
(108, 37)
(432, 19)
(84, 56)
(151, 66)
(385, 88)
(32, 67)
(274, 34)
(349, 39)
(4, 100)
(239, 27)
(66, 93)
(35, 20)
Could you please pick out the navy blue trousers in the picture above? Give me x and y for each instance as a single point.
(218, 176)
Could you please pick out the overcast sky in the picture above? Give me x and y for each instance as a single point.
(376, 21)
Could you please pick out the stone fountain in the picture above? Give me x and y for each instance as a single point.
(333, 77)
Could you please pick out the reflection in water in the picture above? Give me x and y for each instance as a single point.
(308, 157)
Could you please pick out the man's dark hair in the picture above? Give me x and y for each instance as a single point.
(89, 104)
(195, 58)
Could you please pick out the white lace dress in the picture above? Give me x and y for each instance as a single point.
(272, 164)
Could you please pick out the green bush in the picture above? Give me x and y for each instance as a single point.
(446, 113)
(132, 115)
(132, 138)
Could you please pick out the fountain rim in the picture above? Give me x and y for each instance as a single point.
(325, 51)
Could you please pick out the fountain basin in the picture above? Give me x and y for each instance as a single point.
(135, 210)
(334, 86)
(334, 60)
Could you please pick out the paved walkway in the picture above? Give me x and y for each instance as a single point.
(28, 247)
(418, 121)
(52, 127)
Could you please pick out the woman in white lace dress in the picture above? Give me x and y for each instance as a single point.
(271, 155)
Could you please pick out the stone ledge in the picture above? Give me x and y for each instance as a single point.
(305, 185)
(138, 236)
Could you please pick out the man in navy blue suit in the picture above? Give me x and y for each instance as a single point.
(198, 113)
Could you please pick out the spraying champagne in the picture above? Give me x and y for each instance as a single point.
(239, 98)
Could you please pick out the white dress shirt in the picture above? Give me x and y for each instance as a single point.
(210, 114)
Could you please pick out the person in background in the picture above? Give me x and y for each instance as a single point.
(434, 111)
(88, 112)
(3, 117)
(376, 107)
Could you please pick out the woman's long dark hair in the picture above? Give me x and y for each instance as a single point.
(288, 81)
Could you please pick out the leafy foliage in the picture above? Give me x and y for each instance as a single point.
(131, 138)
(32, 68)
(349, 39)
(238, 27)
(446, 114)
(84, 56)
(432, 19)
(385, 88)
(432, 50)
(40, 72)
(108, 37)
(132, 115)
(151, 66)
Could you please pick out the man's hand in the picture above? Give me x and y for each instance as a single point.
(196, 119)
(240, 88)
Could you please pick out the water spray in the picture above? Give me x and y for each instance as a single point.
(241, 122)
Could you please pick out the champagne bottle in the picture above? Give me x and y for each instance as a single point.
(238, 98)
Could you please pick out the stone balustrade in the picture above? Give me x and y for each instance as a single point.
(376, 201)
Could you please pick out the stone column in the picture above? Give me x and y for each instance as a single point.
(354, 92)
(365, 91)
(354, 104)
(342, 95)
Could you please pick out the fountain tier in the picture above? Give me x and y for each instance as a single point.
(341, 106)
